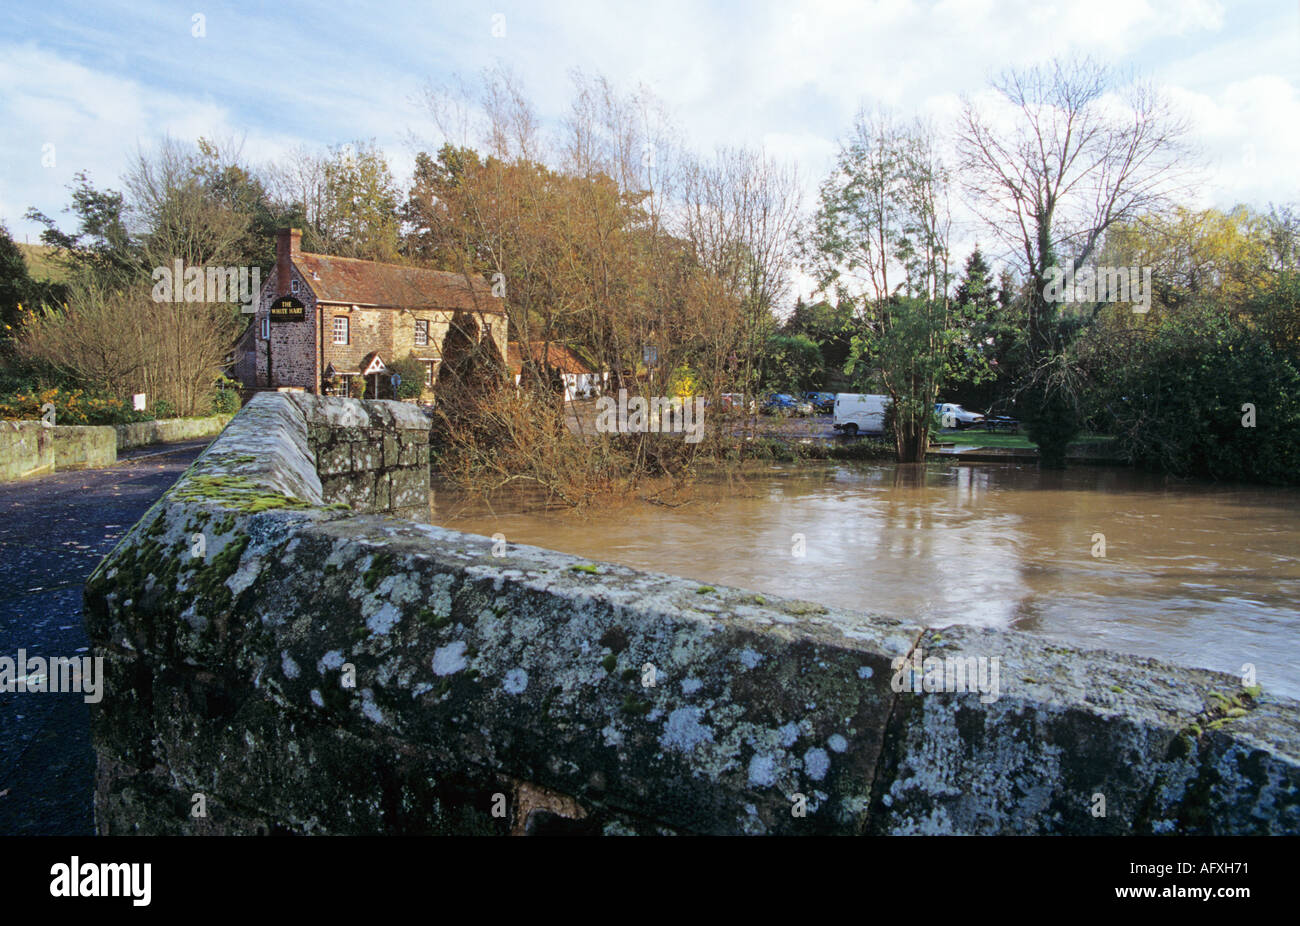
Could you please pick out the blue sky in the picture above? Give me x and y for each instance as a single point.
(97, 82)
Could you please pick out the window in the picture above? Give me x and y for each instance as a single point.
(428, 372)
(266, 327)
(340, 329)
(293, 287)
(421, 333)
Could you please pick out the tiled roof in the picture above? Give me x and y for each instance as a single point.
(558, 357)
(362, 282)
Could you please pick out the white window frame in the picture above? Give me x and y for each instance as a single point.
(421, 332)
(293, 286)
(266, 327)
(347, 329)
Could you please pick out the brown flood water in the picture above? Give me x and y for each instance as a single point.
(1198, 574)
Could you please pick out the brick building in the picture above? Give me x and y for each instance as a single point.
(326, 324)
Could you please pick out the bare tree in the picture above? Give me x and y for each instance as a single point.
(1068, 150)
(740, 213)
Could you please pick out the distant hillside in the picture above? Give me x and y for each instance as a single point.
(41, 263)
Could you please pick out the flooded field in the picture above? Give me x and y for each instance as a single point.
(1193, 573)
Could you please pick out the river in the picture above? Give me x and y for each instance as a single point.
(1193, 573)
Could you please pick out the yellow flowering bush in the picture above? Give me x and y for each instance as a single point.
(71, 406)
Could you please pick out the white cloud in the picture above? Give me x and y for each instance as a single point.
(786, 76)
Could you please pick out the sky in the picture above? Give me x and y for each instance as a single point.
(86, 86)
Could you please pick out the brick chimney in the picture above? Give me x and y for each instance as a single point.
(288, 244)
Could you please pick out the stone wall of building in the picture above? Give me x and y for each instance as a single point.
(317, 670)
(294, 347)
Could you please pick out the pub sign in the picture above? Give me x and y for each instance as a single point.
(288, 309)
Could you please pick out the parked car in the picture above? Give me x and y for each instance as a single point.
(731, 403)
(1001, 423)
(822, 402)
(779, 403)
(954, 416)
(856, 413)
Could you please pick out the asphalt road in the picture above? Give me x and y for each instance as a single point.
(53, 532)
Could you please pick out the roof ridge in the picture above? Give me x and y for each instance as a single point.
(384, 263)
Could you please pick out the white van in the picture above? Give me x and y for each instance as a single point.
(855, 412)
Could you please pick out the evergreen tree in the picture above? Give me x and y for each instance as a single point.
(15, 283)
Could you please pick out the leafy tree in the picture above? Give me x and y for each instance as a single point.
(830, 327)
(882, 215)
(101, 249)
(16, 286)
(1201, 394)
(988, 336)
(1275, 311)
(792, 363)
(344, 199)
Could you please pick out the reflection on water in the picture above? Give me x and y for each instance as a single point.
(1199, 574)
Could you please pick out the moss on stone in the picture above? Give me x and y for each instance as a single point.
(237, 492)
(210, 582)
(381, 566)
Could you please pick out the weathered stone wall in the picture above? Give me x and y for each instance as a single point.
(26, 450)
(320, 671)
(164, 430)
(84, 446)
(29, 448)
(370, 456)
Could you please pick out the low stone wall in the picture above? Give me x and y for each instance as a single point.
(84, 446)
(315, 670)
(29, 448)
(26, 450)
(167, 430)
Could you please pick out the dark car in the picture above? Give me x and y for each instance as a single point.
(822, 402)
(779, 403)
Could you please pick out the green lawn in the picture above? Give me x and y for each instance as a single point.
(976, 437)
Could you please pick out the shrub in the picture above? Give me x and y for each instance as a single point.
(70, 407)
(1177, 398)
(412, 372)
(225, 401)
